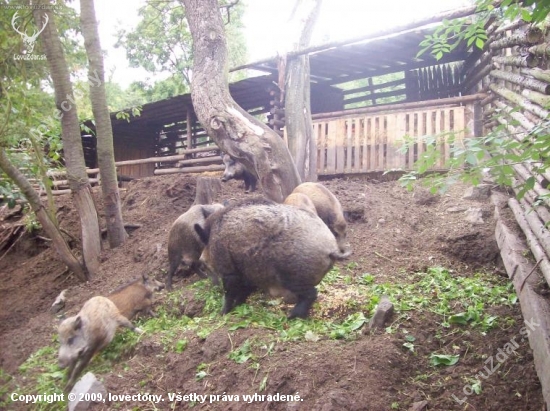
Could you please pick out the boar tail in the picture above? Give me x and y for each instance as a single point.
(337, 255)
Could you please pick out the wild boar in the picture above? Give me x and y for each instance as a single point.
(257, 243)
(184, 245)
(328, 209)
(236, 170)
(136, 296)
(86, 333)
(301, 201)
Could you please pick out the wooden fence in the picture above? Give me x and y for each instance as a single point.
(371, 142)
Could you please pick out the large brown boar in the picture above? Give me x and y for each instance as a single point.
(328, 209)
(184, 245)
(136, 297)
(257, 243)
(86, 333)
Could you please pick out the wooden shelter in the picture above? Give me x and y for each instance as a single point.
(345, 79)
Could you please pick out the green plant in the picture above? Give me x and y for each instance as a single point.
(443, 359)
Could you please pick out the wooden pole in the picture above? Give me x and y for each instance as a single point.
(539, 74)
(184, 170)
(522, 81)
(519, 100)
(532, 35)
(529, 60)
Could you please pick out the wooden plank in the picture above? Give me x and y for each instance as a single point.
(437, 131)
(448, 130)
(331, 147)
(369, 144)
(412, 133)
(340, 144)
(459, 125)
(381, 138)
(535, 309)
(400, 159)
(350, 124)
(320, 145)
(358, 144)
(391, 135)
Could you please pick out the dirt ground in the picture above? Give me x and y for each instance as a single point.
(392, 232)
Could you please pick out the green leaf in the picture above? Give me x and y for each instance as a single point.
(443, 359)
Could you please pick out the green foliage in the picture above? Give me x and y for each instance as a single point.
(495, 153)
(456, 299)
(161, 43)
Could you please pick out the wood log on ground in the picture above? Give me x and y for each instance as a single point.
(537, 227)
(532, 240)
(535, 308)
(522, 81)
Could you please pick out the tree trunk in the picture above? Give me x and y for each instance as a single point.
(47, 224)
(207, 189)
(105, 151)
(259, 148)
(72, 141)
(299, 129)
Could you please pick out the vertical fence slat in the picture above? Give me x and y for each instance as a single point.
(340, 144)
(370, 143)
(349, 144)
(357, 145)
(331, 147)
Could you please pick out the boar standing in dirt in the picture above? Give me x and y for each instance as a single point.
(136, 297)
(328, 209)
(236, 170)
(258, 243)
(301, 201)
(184, 245)
(88, 332)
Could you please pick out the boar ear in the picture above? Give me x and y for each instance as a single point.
(203, 235)
(77, 322)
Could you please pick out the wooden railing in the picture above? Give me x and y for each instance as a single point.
(369, 142)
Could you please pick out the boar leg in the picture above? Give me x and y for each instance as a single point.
(306, 298)
(236, 292)
(125, 322)
(81, 363)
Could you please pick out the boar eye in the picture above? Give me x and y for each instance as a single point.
(71, 341)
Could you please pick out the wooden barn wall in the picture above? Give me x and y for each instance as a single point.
(127, 149)
(369, 143)
(513, 70)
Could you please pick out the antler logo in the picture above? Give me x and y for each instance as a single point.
(29, 40)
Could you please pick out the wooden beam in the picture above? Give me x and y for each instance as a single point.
(402, 106)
